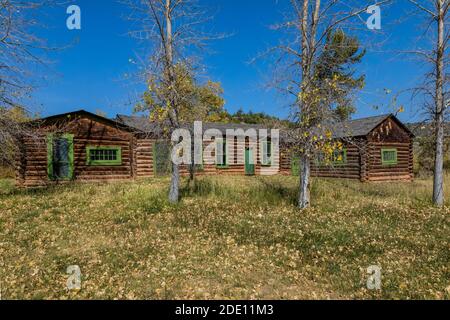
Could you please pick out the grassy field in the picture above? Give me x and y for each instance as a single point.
(230, 238)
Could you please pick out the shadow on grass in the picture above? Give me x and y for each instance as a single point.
(260, 190)
(276, 191)
(45, 190)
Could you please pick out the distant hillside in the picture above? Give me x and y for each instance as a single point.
(421, 129)
(254, 118)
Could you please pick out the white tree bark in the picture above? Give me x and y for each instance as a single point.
(305, 173)
(174, 193)
(438, 183)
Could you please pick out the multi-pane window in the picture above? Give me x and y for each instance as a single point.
(97, 156)
(388, 156)
(103, 155)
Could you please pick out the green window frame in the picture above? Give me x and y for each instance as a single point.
(221, 144)
(50, 159)
(335, 157)
(266, 147)
(389, 157)
(112, 155)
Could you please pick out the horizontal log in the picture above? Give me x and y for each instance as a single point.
(144, 158)
(101, 168)
(336, 176)
(389, 168)
(102, 177)
(391, 178)
(390, 173)
(145, 171)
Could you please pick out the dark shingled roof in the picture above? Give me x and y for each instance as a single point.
(142, 123)
(350, 128)
(357, 127)
(82, 113)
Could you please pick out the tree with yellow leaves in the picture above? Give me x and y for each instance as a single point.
(173, 29)
(311, 66)
(198, 102)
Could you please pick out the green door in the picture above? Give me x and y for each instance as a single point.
(249, 167)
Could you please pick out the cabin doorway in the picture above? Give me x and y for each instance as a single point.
(249, 165)
(60, 154)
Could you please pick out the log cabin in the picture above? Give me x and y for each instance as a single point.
(82, 146)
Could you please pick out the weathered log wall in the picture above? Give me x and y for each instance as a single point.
(389, 135)
(351, 169)
(363, 155)
(32, 163)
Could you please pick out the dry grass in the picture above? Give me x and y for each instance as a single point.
(231, 237)
(6, 172)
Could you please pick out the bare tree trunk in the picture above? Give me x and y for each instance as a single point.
(174, 26)
(438, 183)
(303, 201)
(175, 179)
(305, 173)
(174, 192)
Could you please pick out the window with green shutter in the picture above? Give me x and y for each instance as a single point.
(104, 156)
(389, 157)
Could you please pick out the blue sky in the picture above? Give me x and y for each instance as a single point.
(89, 72)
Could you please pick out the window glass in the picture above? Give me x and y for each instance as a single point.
(389, 156)
(104, 156)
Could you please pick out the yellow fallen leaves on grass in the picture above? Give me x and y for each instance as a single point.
(230, 238)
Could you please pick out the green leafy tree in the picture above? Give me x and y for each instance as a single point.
(312, 69)
(335, 75)
(252, 117)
